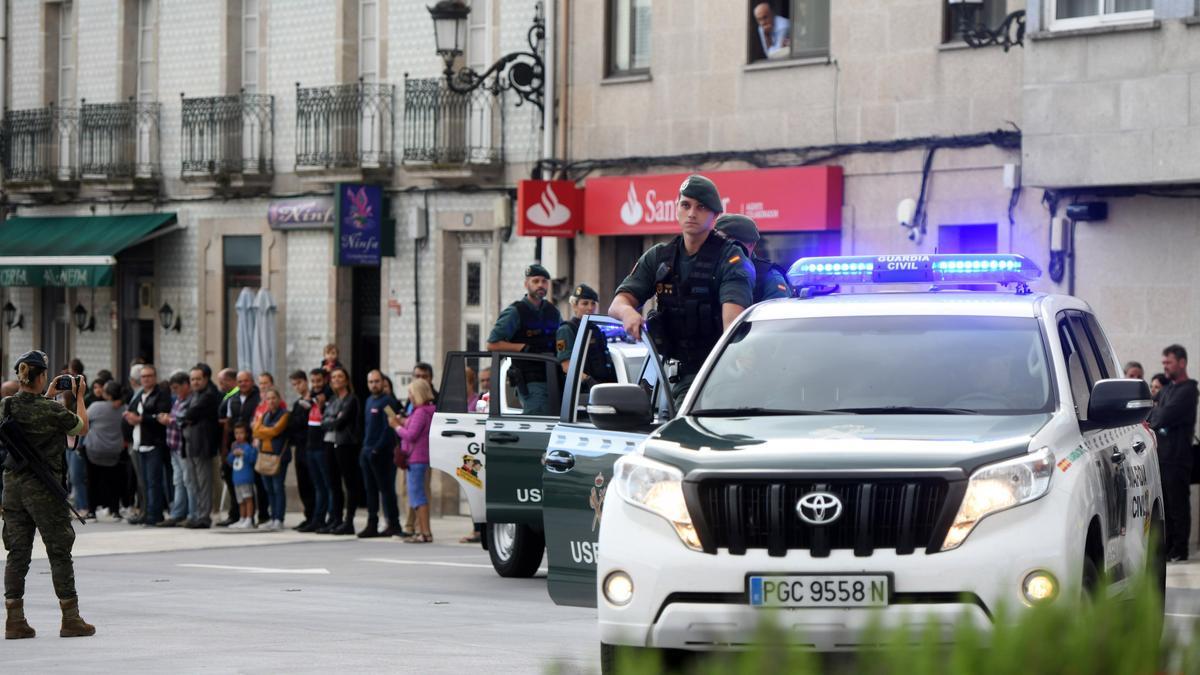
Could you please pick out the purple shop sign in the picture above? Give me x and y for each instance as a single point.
(359, 224)
(301, 213)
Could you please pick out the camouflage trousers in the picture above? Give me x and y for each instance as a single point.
(29, 507)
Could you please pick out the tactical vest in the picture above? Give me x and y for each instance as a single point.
(762, 268)
(689, 309)
(597, 361)
(537, 330)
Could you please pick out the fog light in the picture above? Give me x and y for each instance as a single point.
(618, 588)
(1039, 587)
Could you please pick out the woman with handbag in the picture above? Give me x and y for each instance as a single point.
(414, 436)
(273, 455)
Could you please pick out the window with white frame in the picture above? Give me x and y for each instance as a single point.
(250, 46)
(628, 37)
(66, 53)
(368, 40)
(479, 44)
(1070, 14)
(989, 13)
(782, 29)
(474, 291)
(147, 50)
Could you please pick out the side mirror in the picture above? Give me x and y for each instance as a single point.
(620, 407)
(1118, 403)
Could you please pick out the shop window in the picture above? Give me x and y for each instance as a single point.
(1071, 14)
(628, 37)
(989, 13)
(782, 29)
(242, 268)
(967, 238)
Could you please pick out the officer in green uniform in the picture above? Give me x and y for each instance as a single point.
(30, 507)
(528, 325)
(701, 283)
(770, 279)
(597, 364)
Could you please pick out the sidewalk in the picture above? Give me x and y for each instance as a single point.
(117, 538)
(1185, 575)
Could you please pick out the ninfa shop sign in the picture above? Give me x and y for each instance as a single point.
(792, 199)
(363, 232)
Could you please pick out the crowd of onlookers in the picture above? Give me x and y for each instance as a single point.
(157, 444)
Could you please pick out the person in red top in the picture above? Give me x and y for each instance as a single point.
(266, 382)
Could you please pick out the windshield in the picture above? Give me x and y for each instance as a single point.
(881, 365)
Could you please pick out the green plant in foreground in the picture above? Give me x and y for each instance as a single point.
(1079, 634)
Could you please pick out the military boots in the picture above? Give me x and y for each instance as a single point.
(15, 626)
(72, 624)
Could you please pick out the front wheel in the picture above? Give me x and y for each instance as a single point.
(615, 660)
(515, 550)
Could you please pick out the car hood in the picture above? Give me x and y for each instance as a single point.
(842, 442)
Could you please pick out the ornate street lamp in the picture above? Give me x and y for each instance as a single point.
(83, 320)
(522, 72)
(12, 318)
(1010, 33)
(167, 318)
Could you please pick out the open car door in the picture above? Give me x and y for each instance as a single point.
(456, 437)
(579, 457)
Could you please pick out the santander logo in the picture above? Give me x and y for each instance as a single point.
(548, 211)
(631, 210)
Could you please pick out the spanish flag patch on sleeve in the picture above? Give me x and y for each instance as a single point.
(734, 259)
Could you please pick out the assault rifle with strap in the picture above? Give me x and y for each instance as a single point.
(20, 455)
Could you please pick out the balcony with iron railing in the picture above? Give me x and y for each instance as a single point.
(119, 144)
(345, 129)
(228, 141)
(445, 130)
(40, 148)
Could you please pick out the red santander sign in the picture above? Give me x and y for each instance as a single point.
(792, 199)
(549, 208)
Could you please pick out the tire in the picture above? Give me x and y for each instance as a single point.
(516, 550)
(644, 659)
(1091, 578)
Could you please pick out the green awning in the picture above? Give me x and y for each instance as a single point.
(71, 250)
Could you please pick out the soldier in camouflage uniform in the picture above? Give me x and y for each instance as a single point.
(30, 507)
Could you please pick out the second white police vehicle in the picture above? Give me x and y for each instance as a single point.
(920, 456)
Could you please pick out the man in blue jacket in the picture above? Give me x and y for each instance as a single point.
(378, 469)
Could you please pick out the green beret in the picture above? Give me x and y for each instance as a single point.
(34, 358)
(536, 270)
(702, 190)
(585, 292)
(738, 227)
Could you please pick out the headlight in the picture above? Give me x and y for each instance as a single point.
(658, 488)
(998, 487)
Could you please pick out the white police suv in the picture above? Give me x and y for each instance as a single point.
(921, 455)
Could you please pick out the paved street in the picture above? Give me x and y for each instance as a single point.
(285, 602)
(221, 602)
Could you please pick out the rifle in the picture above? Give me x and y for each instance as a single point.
(20, 455)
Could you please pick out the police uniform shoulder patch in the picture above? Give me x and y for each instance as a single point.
(735, 259)
(781, 287)
(561, 345)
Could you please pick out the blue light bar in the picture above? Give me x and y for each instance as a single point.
(1000, 268)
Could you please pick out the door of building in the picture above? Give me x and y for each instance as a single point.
(365, 328)
(55, 327)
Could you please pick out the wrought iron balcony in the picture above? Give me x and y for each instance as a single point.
(119, 141)
(345, 126)
(41, 145)
(226, 136)
(443, 127)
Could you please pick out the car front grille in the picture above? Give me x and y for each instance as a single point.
(894, 513)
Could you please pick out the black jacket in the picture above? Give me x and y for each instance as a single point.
(157, 400)
(1174, 420)
(201, 432)
(297, 429)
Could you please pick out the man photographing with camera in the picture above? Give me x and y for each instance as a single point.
(30, 505)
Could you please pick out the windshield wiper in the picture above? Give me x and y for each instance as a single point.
(906, 410)
(751, 411)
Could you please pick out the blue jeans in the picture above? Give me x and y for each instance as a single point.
(318, 470)
(182, 503)
(276, 494)
(537, 401)
(77, 469)
(154, 466)
(379, 478)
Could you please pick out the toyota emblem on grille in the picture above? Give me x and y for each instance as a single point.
(819, 508)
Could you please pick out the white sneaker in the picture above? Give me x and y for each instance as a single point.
(243, 524)
(102, 512)
(276, 525)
